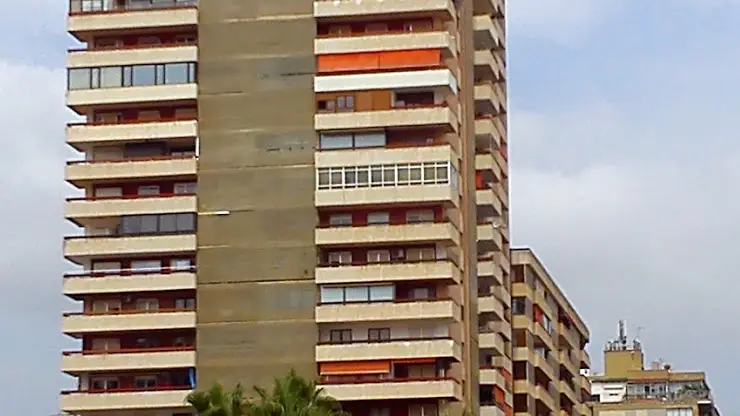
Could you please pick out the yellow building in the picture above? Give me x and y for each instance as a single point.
(628, 388)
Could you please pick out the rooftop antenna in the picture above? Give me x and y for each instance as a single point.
(622, 335)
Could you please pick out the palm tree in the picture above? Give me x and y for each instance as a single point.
(218, 402)
(293, 395)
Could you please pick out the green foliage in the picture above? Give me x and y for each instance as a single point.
(291, 395)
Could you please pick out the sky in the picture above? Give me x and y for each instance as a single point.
(624, 151)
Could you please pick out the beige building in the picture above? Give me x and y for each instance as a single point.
(629, 388)
(267, 185)
(549, 341)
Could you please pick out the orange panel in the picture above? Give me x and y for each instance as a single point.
(415, 361)
(508, 410)
(347, 62)
(537, 314)
(355, 367)
(416, 58)
(505, 374)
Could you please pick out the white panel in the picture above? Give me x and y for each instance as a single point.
(386, 80)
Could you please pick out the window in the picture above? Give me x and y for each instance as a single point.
(351, 294)
(340, 257)
(378, 256)
(185, 39)
(149, 40)
(518, 306)
(185, 187)
(157, 224)
(106, 266)
(421, 293)
(378, 218)
(106, 344)
(181, 264)
(339, 220)
(108, 43)
(379, 334)
(108, 117)
(349, 141)
(104, 383)
(421, 254)
(106, 306)
(380, 411)
(340, 103)
(332, 294)
(147, 304)
(185, 303)
(148, 190)
(145, 382)
(340, 335)
(131, 75)
(680, 412)
(547, 323)
(348, 177)
(146, 265)
(426, 215)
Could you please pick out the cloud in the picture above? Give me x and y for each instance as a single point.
(31, 265)
(561, 21)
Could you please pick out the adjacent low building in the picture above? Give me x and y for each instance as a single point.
(627, 388)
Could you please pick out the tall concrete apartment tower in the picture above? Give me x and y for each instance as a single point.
(319, 185)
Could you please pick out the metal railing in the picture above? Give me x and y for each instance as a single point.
(100, 6)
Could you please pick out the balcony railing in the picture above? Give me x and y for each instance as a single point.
(391, 222)
(396, 300)
(132, 121)
(93, 48)
(129, 272)
(131, 159)
(130, 389)
(129, 312)
(131, 350)
(119, 197)
(386, 341)
(112, 6)
(380, 33)
(364, 380)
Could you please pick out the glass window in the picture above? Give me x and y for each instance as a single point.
(176, 73)
(335, 141)
(146, 382)
(381, 293)
(108, 192)
(340, 257)
(378, 256)
(111, 77)
(356, 294)
(185, 303)
(185, 222)
(79, 79)
(131, 225)
(338, 220)
(146, 265)
(518, 306)
(426, 215)
(143, 75)
(378, 218)
(186, 187)
(379, 334)
(168, 223)
(148, 190)
(192, 72)
(147, 304)
(181, 264)
(332, 295)
(149, 223)
(106, 266)
(340, 335)
(370, 140)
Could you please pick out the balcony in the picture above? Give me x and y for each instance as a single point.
(89, 16)
(489, 32)
(82, 173)
(379, 156)
(83, 210)
(328, 9)
(439, 79)
(543, 395)
(76, 362)
(84, 136)
(139, 55)
(81, 323)
(487, 162)
(490, 304)
(492, 376)
(389, 272)
(491, 411)
(79, 247)
(83, 100)
(571, 391)
(489, 238)
(545, 365)
(445, 193)
(440, 309)
(395, 389)
(585, 359)
(489, 66)
(128, 281)
(486, 197)
(406, 349)
(388, 41)
(492, 340)
(491, 97)
(437, 115)
(487, 267)
(406, 233)
(568, 336)
(125, 399)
